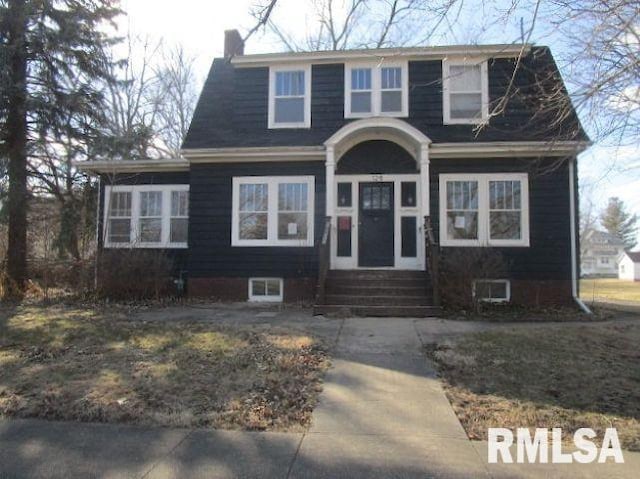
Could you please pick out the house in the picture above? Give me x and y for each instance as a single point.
(315, 176)
(600, 252)
(629, 266)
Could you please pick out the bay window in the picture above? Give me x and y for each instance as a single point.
(272, 211)
(484, 209)
(146, 216)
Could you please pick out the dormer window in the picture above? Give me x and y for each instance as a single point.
(376, 89)
(290, 97)
(465, 92)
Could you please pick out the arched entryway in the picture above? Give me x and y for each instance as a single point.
(377, 194)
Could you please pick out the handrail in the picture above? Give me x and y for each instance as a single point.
(432, 254)
(324, 256)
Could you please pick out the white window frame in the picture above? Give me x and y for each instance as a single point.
(483, 180)
(376, 90)
(266, 298)
(135, 190)
(272, 183)
(178, 217)
(494, 281)
(446, 91)
(306, 123)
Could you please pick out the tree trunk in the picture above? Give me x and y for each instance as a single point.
(14, 281)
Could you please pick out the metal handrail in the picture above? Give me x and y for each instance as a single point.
(324, 256)
(432, 254)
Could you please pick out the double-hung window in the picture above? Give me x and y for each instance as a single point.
(376, 89)
(290, 97)
(150, 218)
(465, 92)
(179, 223)
(146, 216)
(484, 209)
(272, 211)
(118, 217)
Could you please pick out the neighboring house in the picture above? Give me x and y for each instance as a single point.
(629, 266)
(372, 142)
(600, 252)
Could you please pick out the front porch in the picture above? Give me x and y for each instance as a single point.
(374, 252)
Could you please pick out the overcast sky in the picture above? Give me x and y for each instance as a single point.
(199, 26)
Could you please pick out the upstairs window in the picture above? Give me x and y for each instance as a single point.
(290, 97)
(373, 89)
(465, 92)
(146, 216)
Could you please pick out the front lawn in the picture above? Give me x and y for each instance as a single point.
(564, 376)
(609, 289)
(86, 364)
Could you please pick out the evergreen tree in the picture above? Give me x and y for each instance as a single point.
(53, 61)
(617, 221)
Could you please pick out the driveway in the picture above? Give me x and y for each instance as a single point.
(382, 413)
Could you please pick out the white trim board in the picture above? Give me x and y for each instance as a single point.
(408, 53)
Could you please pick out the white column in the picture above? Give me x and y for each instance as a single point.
(424, 179)
(330, 166)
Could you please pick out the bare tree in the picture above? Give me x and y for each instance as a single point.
(176, 97)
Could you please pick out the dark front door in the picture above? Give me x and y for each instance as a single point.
(375, 237)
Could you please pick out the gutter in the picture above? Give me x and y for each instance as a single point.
(574, 260)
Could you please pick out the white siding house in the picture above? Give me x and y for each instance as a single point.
(629, 266)
(600, 252)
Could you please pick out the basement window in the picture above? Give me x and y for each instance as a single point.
(265, 289)
(492, 291)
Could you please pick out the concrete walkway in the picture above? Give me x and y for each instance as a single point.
(382, 414)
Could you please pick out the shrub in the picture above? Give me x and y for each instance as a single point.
(460, 267)
(134, 274)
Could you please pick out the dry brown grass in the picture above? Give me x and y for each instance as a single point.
(74, 363)
(568, 377)
(612, 289)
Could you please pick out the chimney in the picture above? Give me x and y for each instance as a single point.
(233, 43)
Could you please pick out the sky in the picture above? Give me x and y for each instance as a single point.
(199, 25)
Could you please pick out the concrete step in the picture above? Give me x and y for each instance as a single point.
(415, 311)
(376, 274)
(378, 290)
(375, 300)
(379, 282)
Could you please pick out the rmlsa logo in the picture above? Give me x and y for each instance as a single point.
(536, 449)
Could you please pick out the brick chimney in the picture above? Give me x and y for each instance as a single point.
(233, 43)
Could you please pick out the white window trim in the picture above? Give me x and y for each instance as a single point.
(446, 92)
(483, 209)
(495, 281)
(272, 210)
(164, 242)
(266, 298)
(307, 96)
(376, 90)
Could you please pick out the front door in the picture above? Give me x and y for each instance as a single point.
(375, 228)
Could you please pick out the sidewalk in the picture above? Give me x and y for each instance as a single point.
(382, 414)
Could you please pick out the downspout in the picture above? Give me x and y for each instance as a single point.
(574, 262)
(98, 245)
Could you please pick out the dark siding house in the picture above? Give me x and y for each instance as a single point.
(336, 177)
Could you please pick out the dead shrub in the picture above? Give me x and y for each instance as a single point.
(134, 274)
(460, 267)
